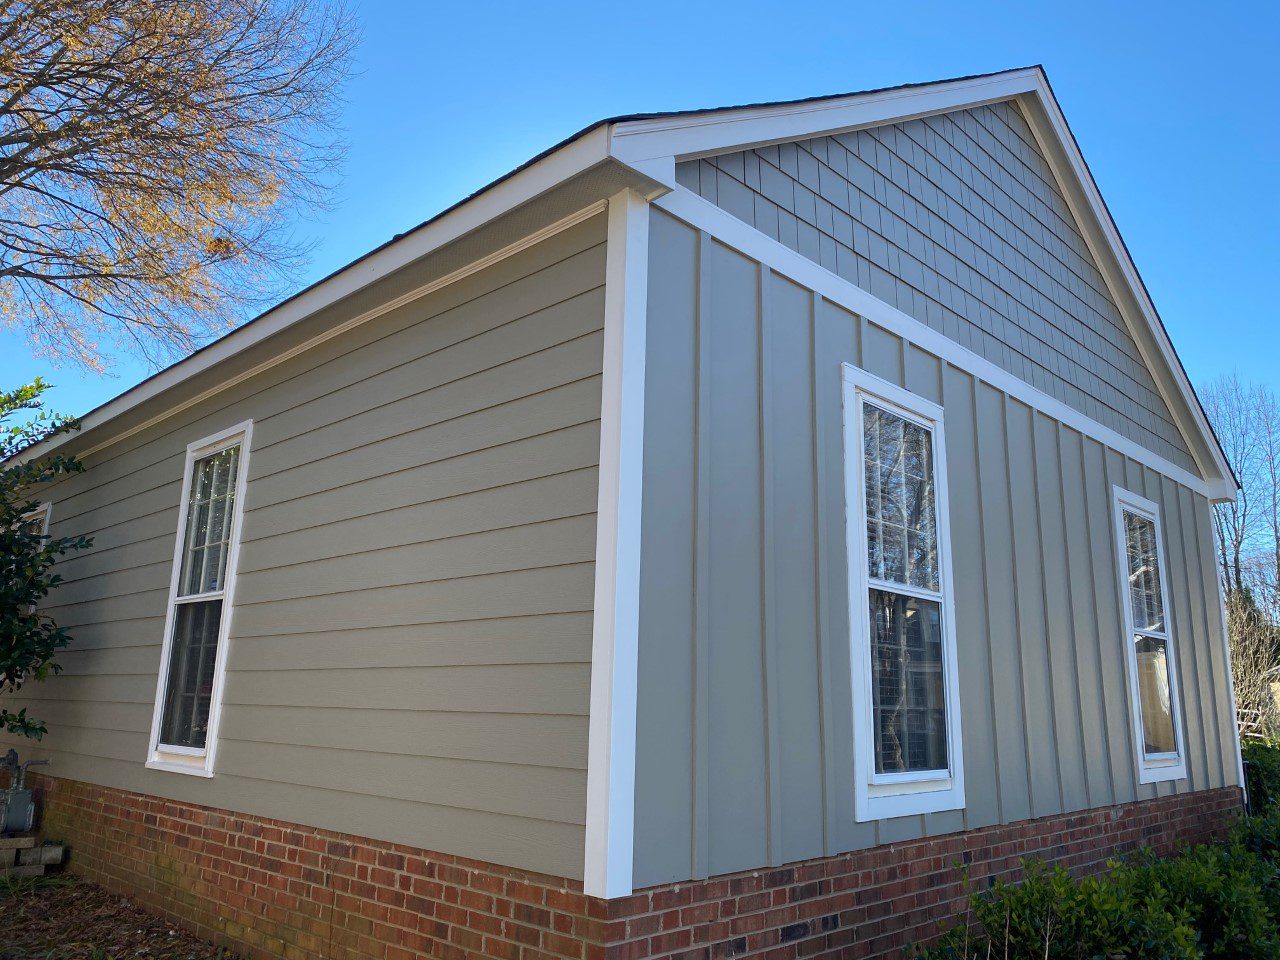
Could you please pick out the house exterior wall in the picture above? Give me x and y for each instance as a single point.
(745, 733)
(410, 641)
(957, 220)
(269, 888)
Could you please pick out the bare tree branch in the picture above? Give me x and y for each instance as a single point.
(151, 156)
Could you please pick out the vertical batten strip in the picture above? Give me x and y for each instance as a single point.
(610, 826)
(701, 852)
(768, 584)
(1188, 630)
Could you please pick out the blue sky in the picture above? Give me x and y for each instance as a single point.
(1177, 109)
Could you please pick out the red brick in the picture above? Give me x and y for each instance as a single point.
(269, 889)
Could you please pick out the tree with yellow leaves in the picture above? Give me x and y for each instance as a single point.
(151, 153)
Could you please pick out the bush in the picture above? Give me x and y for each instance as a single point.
(1264, 782)
(1224, 892)
(1051, 916)
(1216, 902)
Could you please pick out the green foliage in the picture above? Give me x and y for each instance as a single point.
(1225, 892)
(29, 640)
(1051, 916)
(1264, 784)
(1213, 902)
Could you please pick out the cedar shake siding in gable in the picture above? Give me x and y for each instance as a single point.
(411, 636)
(957, 221)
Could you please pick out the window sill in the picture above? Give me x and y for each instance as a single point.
(177, 764)
(885, 801)
(1162, 771)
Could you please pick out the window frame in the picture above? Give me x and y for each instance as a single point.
(1152, 768)
(192, 760)
(879, 796)
(44, 511)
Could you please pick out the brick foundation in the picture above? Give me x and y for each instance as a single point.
(267, 888)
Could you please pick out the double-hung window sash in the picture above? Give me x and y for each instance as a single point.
(199, 604)
(906, 715)
(1149, 655)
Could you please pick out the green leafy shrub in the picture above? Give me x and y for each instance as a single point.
(1264, 784)
(1051, 916)
(1213, 902)
(1224, 891)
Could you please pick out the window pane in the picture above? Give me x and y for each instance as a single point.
(209, 513)
(1144, 573)
(190, 688)
(902, 530)
(907, 687)
(1153, 688)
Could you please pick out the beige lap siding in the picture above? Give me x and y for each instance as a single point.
(411, 636)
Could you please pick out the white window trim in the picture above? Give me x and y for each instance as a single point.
(1163, 767)
(189, 760)
(44, 513)
(881, 796)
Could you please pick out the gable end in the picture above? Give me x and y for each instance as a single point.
(956, 219)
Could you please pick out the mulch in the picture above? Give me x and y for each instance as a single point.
(65, 918)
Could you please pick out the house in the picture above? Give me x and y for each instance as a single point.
(700, 542)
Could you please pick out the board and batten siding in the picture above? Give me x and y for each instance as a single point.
(745, 740)
(958, 221)
(410, 643)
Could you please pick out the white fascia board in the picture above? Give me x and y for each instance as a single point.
(615, 631)
(518, 188)
(701, 214)
(725, 131)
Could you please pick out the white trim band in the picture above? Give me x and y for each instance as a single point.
(728, 229)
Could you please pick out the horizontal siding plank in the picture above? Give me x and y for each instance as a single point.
(521, 502)
(538, 793)
(551, 688)
(509, 738)
(515, 594)
(566, 404)
(545, 543)
(403, 336)
(492, 387)
(550, 638)
(534, 455)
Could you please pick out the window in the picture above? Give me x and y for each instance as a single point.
(184, 729)
(36, 521)
(902, 625)
(39, 519)
(1149, 648)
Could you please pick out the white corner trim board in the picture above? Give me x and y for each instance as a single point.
(1231, 680)
(611, 747)
(701, 214)
(190, 760)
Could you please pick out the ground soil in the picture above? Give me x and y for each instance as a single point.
(63, 918)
